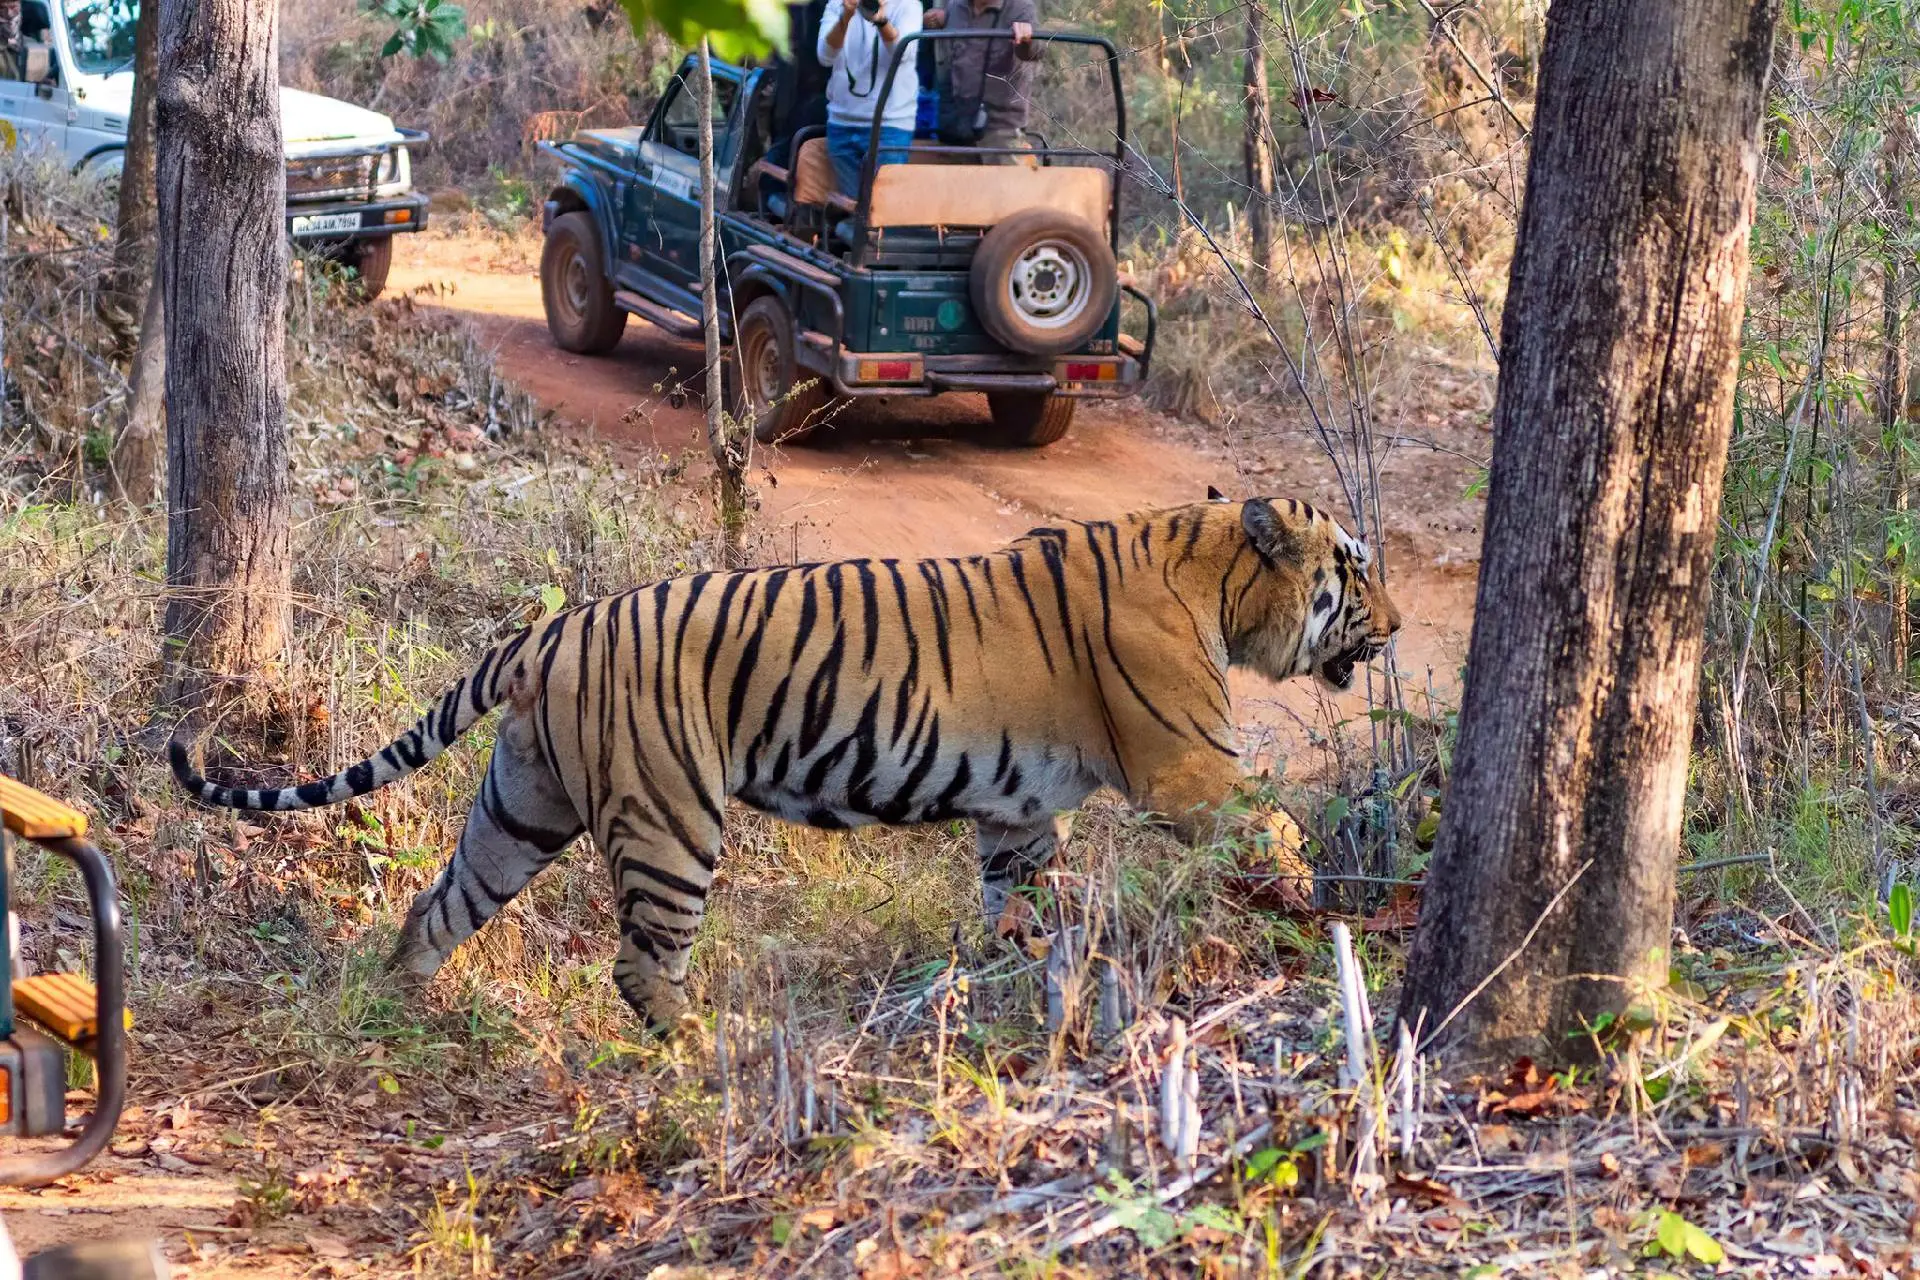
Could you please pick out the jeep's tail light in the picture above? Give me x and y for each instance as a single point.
(1087, 371)
(889, 370)
(399, 215)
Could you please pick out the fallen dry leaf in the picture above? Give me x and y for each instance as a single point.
(1401, 912)
(1424, 1190)
(1498, 1137)
(326, 1246)
(1701, 1154)
(1015, 917)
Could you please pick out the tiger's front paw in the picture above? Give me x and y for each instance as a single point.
(662, 1005)
(1282, 857)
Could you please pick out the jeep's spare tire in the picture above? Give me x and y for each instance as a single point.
(1043, 282)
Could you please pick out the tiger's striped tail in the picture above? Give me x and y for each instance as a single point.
(479, 692)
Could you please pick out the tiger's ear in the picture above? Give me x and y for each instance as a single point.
(1270, 535)
(1214, 495)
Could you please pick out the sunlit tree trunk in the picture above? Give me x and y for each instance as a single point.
(1618, 357)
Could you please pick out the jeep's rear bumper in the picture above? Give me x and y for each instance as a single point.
(335, 221)
(908, 373)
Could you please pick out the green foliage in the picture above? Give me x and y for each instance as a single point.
(1900, 916)
(423, 28)
(1281, 1166)
(1137, 1211)
(737, 29)
(1677, 1238)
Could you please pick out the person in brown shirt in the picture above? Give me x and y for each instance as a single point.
(995, 74)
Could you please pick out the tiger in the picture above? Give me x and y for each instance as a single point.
(1002, 688)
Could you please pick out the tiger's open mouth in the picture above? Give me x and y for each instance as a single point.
(1337, 671)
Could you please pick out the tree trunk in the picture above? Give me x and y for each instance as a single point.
(726, 441)
(136, 454)
(132, 272)
(223, 279)
(1618, 358)
(1258, 143)
(1896, 285)
(129, 292)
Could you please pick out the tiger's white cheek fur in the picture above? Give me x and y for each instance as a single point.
(1314, 639)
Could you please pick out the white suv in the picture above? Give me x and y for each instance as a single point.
(349, 178)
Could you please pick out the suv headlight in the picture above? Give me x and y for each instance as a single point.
(394, 169)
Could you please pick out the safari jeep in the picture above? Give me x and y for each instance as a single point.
(349, 177)
(942, 274)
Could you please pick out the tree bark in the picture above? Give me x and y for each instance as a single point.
(1619, 351)
(137, 453)
(726, 442)
(130, 292)
(132, 272)
(1257, 146)
(223, 276)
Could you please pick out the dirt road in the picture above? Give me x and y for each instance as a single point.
(900, 479)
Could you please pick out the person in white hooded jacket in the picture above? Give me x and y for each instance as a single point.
(856, 49)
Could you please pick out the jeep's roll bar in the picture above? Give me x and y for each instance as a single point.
(863, 208)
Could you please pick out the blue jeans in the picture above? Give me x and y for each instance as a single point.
(847, 147)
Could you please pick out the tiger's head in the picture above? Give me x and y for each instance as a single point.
(1309, 565)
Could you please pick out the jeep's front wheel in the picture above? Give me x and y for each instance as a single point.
(764, 373)
(370, 261)
(581, 313)
(1024, 420)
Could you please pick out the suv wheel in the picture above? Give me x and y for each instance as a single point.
(1043, 282)
(581, 314)
(1029, 421)
(370, 260)
(764, 373)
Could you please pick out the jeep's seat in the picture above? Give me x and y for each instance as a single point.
(813, 180)
(922, 195)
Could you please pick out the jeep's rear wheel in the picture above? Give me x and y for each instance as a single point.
(1028, 421)
(764, 373)
(581, 313)
(370, 261)
(1043, 282)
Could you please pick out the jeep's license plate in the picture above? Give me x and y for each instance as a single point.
(322, 224)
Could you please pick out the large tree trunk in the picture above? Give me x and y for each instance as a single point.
(1619, 350)
(1257, 145)
(223, 277)
(129, 292)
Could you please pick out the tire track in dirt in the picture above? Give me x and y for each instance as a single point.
(901, 479)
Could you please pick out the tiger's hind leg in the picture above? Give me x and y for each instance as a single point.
(520, 822)
(1012, 858)
(662, 866)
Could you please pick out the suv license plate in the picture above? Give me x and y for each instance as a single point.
(320, 224)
